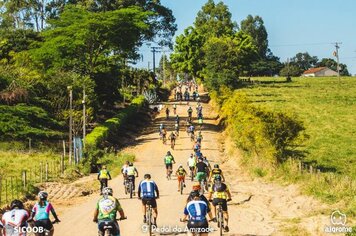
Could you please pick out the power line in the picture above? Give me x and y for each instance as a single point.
(298, 44)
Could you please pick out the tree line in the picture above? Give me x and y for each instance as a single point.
(50, 46)
(219, 51)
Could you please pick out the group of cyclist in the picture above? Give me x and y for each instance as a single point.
(189, 91)
(17, 220)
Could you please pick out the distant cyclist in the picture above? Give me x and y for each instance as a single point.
(15, 220)
(215, 172)
(131, 173)
(103, 177)
(201, 170)
(172, 137)
(181, 173)
(220, 193)
(175, 109)
(192, 162)
(196, 188)
(169, 161)
(199, 137)
(106, 211)
(167, 113)
(195, 213)
(148, 192)
(41, 211)
(190, 112)
(123, 170)
(176, 128)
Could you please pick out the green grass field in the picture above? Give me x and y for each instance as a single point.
(328, 112)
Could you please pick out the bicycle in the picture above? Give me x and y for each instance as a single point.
(202, 186)
(192, 137)
(164, 139)
(181, 186)
(149, 217)
(191, 173)
(169, 174)
(173, 143)
(129, 186)
(220, 217)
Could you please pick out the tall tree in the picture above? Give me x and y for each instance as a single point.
(304, 61)
(214, 20)
(254, 26)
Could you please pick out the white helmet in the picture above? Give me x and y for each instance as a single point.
(107, 191)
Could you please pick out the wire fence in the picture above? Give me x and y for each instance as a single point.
(18, 186)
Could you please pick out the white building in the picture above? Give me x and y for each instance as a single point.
(319, 72)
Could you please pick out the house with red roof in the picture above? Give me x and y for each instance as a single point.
(319, 72)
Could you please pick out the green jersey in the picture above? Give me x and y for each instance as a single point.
(168, 159)
(108, 207)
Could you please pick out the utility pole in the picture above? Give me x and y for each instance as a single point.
(154, 50)
(336, 54)
(84, 116)
(70, 123)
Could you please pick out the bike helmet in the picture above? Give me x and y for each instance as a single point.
(103, 167)
(216, 166)
(180, 165)
(43, 195)
(194, 194)
(217, 178)
(130, 164)
(16, 204)
(196, 187)
(168, 153)
(107, 191)
(147, 176)
(191, 155)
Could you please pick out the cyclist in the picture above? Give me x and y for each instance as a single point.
(123, 170)
(215, 172)
(206, 161)
(146, 192)
(106, 210)
(167, 113)
(176, 128)
(181, 173)
(196, 188)
(172, 137)
(201, 169)
(220, 193)
(164, 134)
(187, 125)
(40, 212)
(177, 119)
(194, 95)
(15, 219)
(191, 163)
(196, 147)
(191, 131)
(131, 173)
(197, 210)
(103, 177)
(169, 161)
(190, 111)
(175, 108)
(199, 137)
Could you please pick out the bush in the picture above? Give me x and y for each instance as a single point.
(111, 127)
(266, 133)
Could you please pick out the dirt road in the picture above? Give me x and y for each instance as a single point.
(257, 208)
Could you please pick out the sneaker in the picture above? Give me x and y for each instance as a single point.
(226, 229)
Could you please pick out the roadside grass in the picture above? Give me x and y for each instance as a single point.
(327, 110)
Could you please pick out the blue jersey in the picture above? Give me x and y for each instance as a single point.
(196, 210)
(147, 189)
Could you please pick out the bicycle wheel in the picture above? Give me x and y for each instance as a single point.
(149, 220)
(191, 175)
(131, 189)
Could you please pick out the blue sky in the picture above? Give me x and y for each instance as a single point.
(293, 25)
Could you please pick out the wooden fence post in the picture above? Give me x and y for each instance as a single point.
(46, 172)
(24, 179)
(41, 170)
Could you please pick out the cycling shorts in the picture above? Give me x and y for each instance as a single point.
(198, 226)
(149, 201)
(169, 166)
(181, 178)
(192, 168)
(223, 202)
(112, 224)
(201, 176)
(46, 224)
